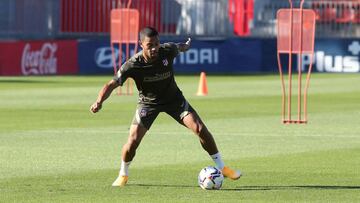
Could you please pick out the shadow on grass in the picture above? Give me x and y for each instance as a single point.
(294, 187)
(164, 185)
(260, 188)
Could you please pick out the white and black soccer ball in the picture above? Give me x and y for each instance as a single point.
(210, 178)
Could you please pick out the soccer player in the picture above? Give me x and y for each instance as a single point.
(152, 71)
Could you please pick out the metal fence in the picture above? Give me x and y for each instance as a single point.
(170, 17)
(334, 18)
(31, 19)
(41, 19)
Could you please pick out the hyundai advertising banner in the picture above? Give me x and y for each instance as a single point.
(96, 57)
(228, 56)
(222, 56)
(236, 55)
(38, 57)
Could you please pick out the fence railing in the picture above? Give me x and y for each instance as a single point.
(170, 17)
(34, 19)
(334, 18)
(29, 19)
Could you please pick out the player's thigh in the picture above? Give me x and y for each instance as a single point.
(185, 114)
(145, 116)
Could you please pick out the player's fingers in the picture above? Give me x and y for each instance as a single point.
(94, 108)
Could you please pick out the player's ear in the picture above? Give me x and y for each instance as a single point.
(141, 44)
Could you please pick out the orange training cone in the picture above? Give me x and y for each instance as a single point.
(202, 90)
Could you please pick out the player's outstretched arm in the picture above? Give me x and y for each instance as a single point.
(184, 46)
(104, 93)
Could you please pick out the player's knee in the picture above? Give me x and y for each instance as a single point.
(198, 128)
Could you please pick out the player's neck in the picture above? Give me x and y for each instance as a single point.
(148, 59)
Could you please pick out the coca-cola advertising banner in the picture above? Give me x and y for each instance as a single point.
(39, 58)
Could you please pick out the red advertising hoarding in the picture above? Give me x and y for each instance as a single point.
(38, 58)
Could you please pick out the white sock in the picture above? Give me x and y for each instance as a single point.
(124, 168)
(218, 161)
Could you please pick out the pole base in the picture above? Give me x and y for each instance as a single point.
(294, 121)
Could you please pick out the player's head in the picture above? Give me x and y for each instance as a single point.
(148, 32)
(149, 42)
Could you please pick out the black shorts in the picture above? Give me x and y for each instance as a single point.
(146, 114)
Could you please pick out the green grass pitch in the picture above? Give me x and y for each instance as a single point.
(52, 149)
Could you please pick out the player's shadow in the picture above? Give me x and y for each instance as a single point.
(164, 185)
(261, 188)
(293, 187)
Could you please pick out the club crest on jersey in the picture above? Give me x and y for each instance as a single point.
(143, 112)
(165, 62)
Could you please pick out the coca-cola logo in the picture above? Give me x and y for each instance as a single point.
(39, 62)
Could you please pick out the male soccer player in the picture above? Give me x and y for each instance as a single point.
(152, 71)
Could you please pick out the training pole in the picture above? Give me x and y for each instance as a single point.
(295, 37)
(124, 29)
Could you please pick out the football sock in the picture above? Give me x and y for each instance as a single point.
(218, 161)
(124, 168)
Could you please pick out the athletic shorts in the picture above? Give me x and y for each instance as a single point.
(146, 114)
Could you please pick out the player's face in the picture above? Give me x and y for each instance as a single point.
(150, 46)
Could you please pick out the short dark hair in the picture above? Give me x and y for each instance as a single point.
(148, 32)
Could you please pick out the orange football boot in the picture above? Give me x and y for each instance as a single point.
(230, 173)
(120, 181)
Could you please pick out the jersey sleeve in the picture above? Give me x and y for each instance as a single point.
(172, 48)
(122, 74)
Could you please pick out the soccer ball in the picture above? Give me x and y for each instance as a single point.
(210, 178)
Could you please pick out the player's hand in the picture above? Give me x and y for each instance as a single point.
(188, 42)
(95, 107)
(184, 46)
